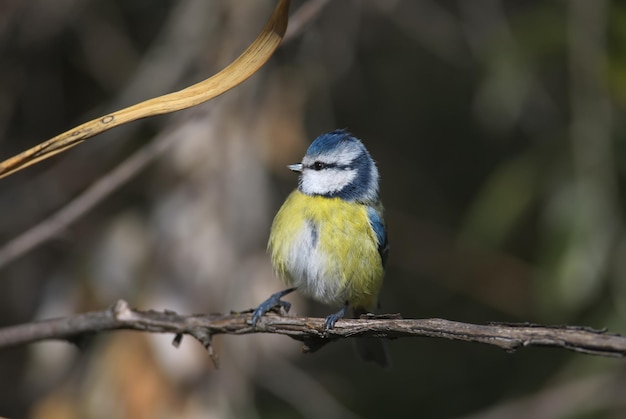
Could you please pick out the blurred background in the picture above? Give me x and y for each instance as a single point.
(498, 133)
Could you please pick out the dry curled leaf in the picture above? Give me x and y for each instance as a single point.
(251, 60)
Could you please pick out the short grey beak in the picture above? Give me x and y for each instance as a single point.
(295, 167)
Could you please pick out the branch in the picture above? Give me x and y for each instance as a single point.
(311, 330)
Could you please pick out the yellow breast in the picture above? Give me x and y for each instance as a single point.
(327, 248)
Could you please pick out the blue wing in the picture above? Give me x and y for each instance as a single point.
(380, 231)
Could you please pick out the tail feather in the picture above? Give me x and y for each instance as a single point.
(372, 349)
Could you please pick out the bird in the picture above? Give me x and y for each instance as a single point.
(328, 241)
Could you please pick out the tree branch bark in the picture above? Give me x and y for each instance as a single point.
(311, 330)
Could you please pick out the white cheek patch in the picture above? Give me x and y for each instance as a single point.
(326, 181)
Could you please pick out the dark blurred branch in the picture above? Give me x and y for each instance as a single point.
(311, 330)
(84, 202)
(302, 17)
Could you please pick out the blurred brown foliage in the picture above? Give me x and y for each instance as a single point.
(496, 126)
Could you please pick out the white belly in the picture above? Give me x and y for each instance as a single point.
(311, 270)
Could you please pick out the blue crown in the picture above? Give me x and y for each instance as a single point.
(330, 141)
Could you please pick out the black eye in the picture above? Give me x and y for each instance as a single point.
(318, 165)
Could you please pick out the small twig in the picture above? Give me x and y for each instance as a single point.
(302, 17)
(311, 330)
(84, 202)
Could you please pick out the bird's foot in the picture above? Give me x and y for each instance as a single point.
(270, 303)
(330, 321)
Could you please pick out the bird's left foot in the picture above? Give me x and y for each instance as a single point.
(330, 321)
(270, 303)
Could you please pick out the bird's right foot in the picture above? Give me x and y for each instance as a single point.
(270, 303)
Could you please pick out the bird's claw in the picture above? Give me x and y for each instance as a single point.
(330, 321)
(271, 303)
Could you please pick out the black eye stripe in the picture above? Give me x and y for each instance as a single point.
(318, 165)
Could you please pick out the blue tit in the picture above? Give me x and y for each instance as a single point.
(328, 240)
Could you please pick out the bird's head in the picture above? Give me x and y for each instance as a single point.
(338, 165)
